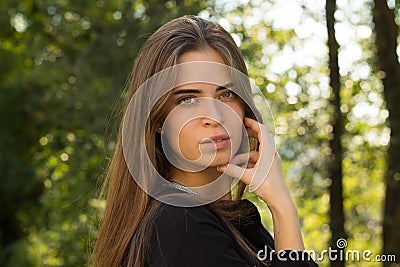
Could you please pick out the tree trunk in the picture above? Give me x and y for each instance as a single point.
(335, 165)
(386, 34)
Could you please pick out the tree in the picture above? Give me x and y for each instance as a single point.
(335, 165)
(388, 63)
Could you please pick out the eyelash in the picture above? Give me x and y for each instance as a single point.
(232, 94)
(230, 97)
(181, 99)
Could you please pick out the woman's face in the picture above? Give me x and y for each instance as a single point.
(204, 124)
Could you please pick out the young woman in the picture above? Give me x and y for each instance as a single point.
(182, 162)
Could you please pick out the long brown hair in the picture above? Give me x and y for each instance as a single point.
(127, 217)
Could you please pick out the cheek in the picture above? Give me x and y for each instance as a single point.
(188, 147)
(180, 135)
(171, 131)
(238, 108)
(234, 125)
(186, 134)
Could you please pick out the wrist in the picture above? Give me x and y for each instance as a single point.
(283, 209)
(287, 233)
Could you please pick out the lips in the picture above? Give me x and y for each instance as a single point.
(215, 138)
(216, 141)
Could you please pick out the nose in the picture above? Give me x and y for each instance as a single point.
(213, 115)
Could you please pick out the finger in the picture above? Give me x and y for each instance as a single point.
(268, 141)
(255, 129)
(251, 133)
(250, 165)
(234, 172)
(252, 124)
(245, 158)
(263, 170)
(264, 137)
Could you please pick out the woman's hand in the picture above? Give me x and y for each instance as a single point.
(263, 172)
(264, 175)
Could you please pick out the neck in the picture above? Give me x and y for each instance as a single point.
(201, 178)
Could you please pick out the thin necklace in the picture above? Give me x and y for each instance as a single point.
(185, 188)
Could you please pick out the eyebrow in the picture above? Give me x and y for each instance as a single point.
(196, 91)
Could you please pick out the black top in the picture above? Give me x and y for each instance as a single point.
(198, 237)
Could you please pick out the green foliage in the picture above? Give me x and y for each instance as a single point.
(63, 68)
(303, 119)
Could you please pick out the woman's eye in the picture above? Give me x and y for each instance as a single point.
(187, 100)
(228, 94)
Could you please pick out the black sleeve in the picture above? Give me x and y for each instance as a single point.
(192, 237)
(284, 258)
(263, 242)
(196, 237)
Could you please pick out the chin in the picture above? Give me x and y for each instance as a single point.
(220, 161)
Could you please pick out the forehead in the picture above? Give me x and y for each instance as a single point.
(207, 54)
(202, 67)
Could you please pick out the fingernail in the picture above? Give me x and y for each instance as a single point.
(221, 168)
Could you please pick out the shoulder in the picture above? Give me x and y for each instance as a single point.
(188, 221)
(191, 220)
(194, 236)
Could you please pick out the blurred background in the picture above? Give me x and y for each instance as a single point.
(330, 71)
